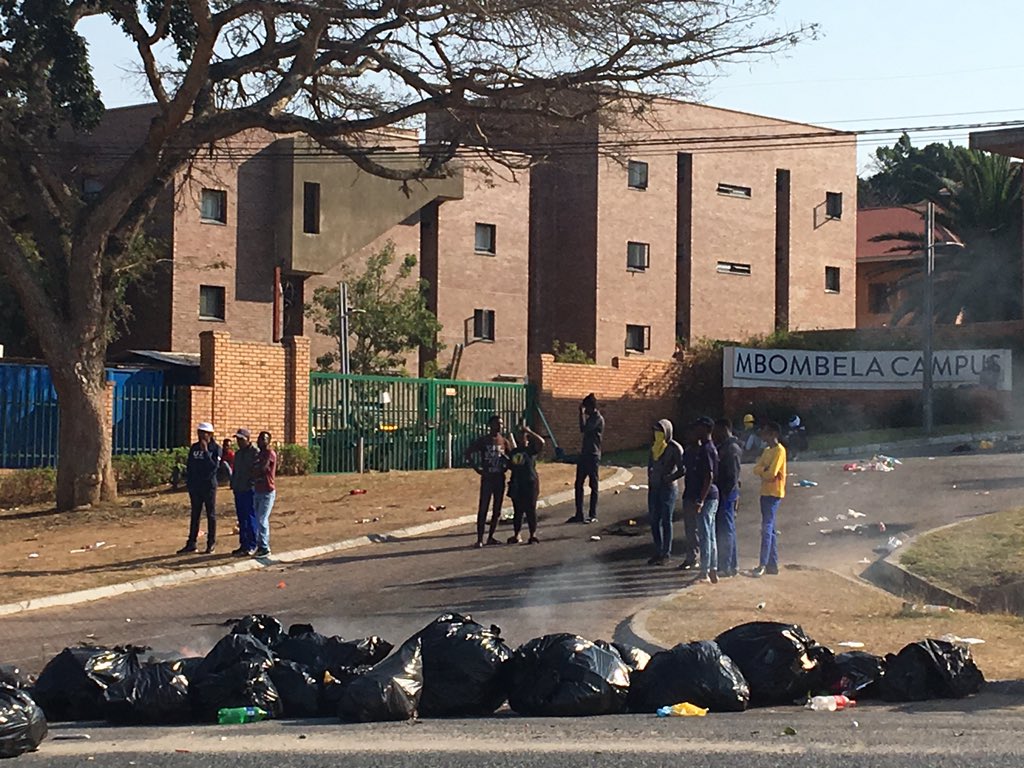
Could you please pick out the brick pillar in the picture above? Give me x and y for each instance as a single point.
(199, 407)
(296, 389)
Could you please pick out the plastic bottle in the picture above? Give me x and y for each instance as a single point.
(239, 715)
(830, 703)
(683, 709)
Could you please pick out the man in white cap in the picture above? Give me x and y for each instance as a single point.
(201, 480)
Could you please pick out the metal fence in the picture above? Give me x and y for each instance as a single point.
(383, 422)
(146, 418)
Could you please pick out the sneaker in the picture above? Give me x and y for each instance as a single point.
(478, 545)
(517, 539)
(262, 552)
(726, 574)
(758, 572)
(574, 519)
(653, 560)
(688, 566)
(704, 579)
(772, 571)
(239, 552)
(592, 519)
(713, 577)
(533, 540)
(187, 549)
(211, 549)
(493, 542)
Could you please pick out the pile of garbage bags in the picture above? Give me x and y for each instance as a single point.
(456, 666)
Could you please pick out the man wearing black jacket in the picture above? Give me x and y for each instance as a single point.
(589, 460)
(730, 453)
(201, 479)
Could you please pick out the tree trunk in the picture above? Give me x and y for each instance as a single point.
(85, 474)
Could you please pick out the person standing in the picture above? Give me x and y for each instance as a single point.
(524, 485)
(201, 481)
(243, 485)
(664, 468)
(493, 450)
(589, 460)
(264, 491)
(700, 501)
(771, 468)
(227, 463)
(730, 455)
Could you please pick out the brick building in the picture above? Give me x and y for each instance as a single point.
(689, 222)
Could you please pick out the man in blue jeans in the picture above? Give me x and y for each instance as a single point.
(771, 468)
(664, 468)
(264, 492)
(702, 494)
(730, 454)
(242, 484)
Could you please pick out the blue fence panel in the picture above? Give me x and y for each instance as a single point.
(28, 417)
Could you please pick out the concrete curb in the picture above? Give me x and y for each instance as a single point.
(621, 477)
(857, 450)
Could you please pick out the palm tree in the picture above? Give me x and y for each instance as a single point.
(980, 205)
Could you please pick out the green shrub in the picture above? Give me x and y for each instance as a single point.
(570, 353)
(149, 470)
(295, 459)
(28, 486)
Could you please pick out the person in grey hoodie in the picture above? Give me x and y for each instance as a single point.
(664, 468)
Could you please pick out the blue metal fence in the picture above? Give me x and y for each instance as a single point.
(145, 417)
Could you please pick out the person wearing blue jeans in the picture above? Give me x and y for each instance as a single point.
(703, 497)
(264, 492)
(769, 537)
(771, 468)
(730, 454)
(664, 468)
(243, 484)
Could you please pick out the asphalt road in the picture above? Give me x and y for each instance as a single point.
(566, 583)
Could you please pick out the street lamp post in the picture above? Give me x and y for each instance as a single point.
(929, 318)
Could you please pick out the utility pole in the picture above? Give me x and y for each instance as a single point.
(929, 315)
(343, 326)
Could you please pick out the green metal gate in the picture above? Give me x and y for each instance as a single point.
(384, 422)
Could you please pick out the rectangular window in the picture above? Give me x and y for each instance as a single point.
(486, 239)
(637, 174)
(211, 302)
(311, 208)
(638, 338)
(733, 268)
(214, 206)
(834, 205)
(638, 256)
(831, 279)
(483, 324)
(732, 190)
(878, 298)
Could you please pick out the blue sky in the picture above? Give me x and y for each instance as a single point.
(875, 64)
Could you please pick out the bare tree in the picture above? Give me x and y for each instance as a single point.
(333, 70)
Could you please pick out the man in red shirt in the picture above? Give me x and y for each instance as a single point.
(264, 493)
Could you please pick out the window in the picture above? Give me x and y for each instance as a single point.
(211, 302)
(878, 298)
(486, 239)
(637, 175)
(834, 205)
(732, 190)
(311, 208)
(638, 256)
(638, 338)
(91, 188)
(733, 268)
(214, 206)
(483, 324)
(831, 279)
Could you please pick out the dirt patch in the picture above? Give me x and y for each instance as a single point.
(832, 609)
(47, 553)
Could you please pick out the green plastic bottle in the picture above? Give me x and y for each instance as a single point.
(239, 715)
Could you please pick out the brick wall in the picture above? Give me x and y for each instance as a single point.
(633, 393)
(252, 385)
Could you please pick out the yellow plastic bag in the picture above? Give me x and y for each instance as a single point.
(683, 709)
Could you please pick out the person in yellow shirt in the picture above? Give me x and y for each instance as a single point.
(771, 468)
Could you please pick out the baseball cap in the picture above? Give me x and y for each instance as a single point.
(705, 421)
(244, 433)
(204, 426)
(748, 418)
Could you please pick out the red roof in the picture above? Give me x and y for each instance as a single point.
(872, 222)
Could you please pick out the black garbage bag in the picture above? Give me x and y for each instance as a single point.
(22, 723)
(930, 669)
(234, 674)
(71, 685)
(565, 675)
(635, 658)
(321, 653)
(695, 672)
(157, 694)
(264, 628)
(855, 674)
(389, 691)
(780, 662)
(462, 667)
(15, 677)
(332, 685)
(298, 689)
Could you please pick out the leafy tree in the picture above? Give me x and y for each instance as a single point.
(905, 174)
(981, 206)
(390, 317)
(570, 353)
(335, 71)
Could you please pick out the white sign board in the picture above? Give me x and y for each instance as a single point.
(811, 369)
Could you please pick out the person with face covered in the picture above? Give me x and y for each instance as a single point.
(664, 468)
